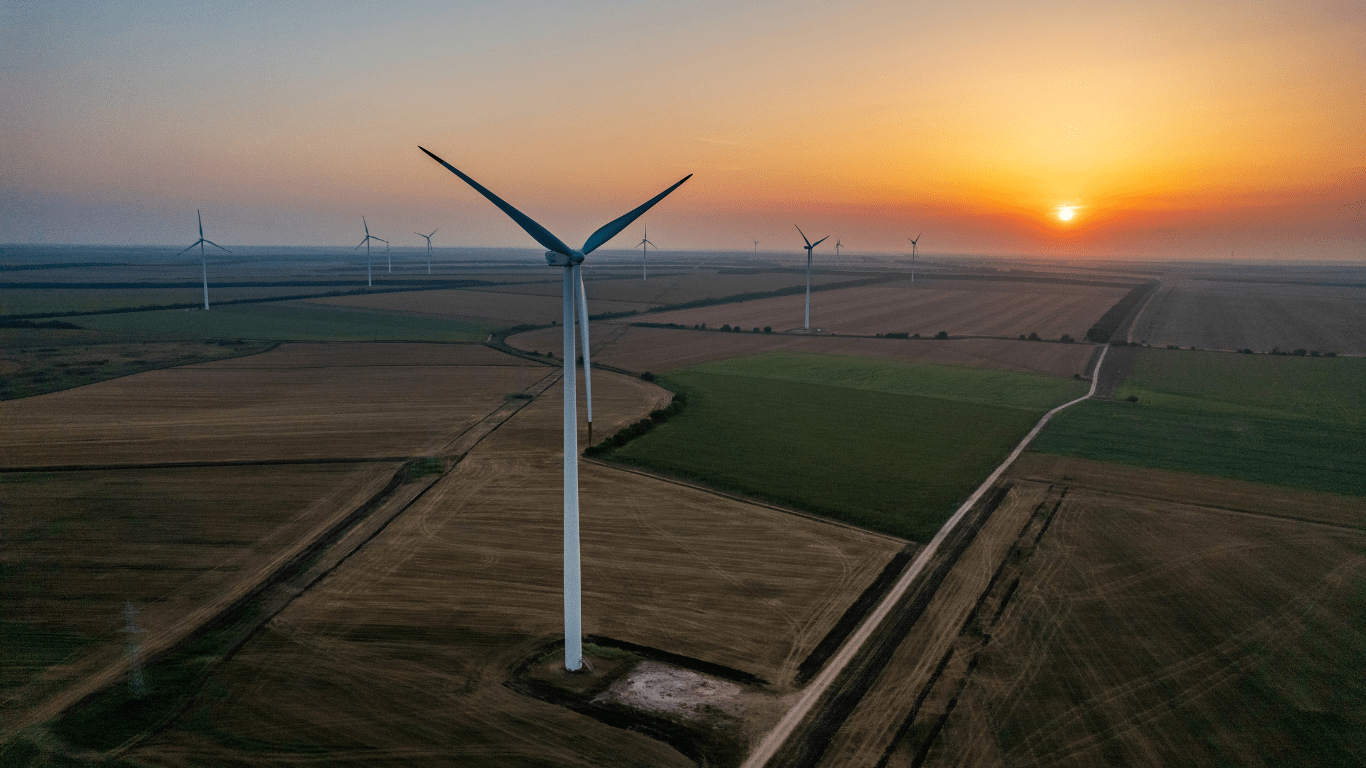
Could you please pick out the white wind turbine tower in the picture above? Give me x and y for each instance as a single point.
(810, 246)
(837, 250)
(429, 247)
(203, 260)
(756, 246)
(561, 255)
(913, 246)
(643, 243)
(369, 273)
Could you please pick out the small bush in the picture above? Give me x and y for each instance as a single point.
(1034, 337)
(1301, 352)
(942, 335)
(1132, 398)
(1066, 339)
(768, 329)
(915, 335)
(756, 329)
(726, 327)
(647, 376)
(1245, 351)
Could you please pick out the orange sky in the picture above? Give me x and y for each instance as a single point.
(1174, 129)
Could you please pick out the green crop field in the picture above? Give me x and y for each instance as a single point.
(284, 321)
(1294, 421)
(889, 446)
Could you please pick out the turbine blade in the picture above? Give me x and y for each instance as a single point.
(613, 228)
(434, 231)
(200, 216)
(538, 233)
(803, 234)
(216, 245)
(363, 242)
(382, 240)
(192, 245)
(818, 242)
(367, 226)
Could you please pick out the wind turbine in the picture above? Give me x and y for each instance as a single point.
(203, 260)
(429, 247)
(837, 250)
(810, 246)
(756, 246)
(369, 275)
(643, 244)
(561, 255)
(913, 245)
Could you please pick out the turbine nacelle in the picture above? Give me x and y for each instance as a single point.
(561, 260)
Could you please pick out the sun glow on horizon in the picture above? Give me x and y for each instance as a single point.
(1067, 212)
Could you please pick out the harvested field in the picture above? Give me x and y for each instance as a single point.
(172, 542)
(1191, 488)
(673, 288)
(37, 368)
(299, 401)
(665, 349)
(903, 657)
(399, 656)
(1208, 314)
(1151, 632)
(499, 308)
(960, 307)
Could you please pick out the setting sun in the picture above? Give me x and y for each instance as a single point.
(1065, 213)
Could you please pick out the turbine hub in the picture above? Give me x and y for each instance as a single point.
(560, 260)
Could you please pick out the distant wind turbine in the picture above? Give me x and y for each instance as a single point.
(913, 245)
(429, 247)
(561, 255)
(643, 243)
(810, 246)
(756, 246)
(369, 273)
(837, 250)
(203, 260)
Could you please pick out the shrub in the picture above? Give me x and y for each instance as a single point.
(942, 335)
(768, 329)
(726, 327)
(647, 376)
(1034, 336)
(1245, 351)
(1066, 339)
(1132, 398)
(915, 335)
(756, 329)
(1301, 352)
(1023, 337)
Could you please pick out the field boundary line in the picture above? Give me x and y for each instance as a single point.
(662, 477)
(775, 738)
(205, 464)
(1213, 508)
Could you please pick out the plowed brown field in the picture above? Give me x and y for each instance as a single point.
(398, 657)
(1147, 631)
(509, 308)
(300, 401)
(963, 308)
(665, 349)
(1208, 314)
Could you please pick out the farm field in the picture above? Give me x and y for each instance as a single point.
(283, 321)
(1223, 315)
(501, 309)
(674, 288)
(1294, 421)
(890, 446)
(962, 308)
(299, 401)
(666, 349)
(398, 657)
(35, 362)
(30, 301)
(1152, 632)
(172, 542)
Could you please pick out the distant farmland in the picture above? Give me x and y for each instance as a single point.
(285, 321)
(1225, 315)
(1295, 421)
(889, 446)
